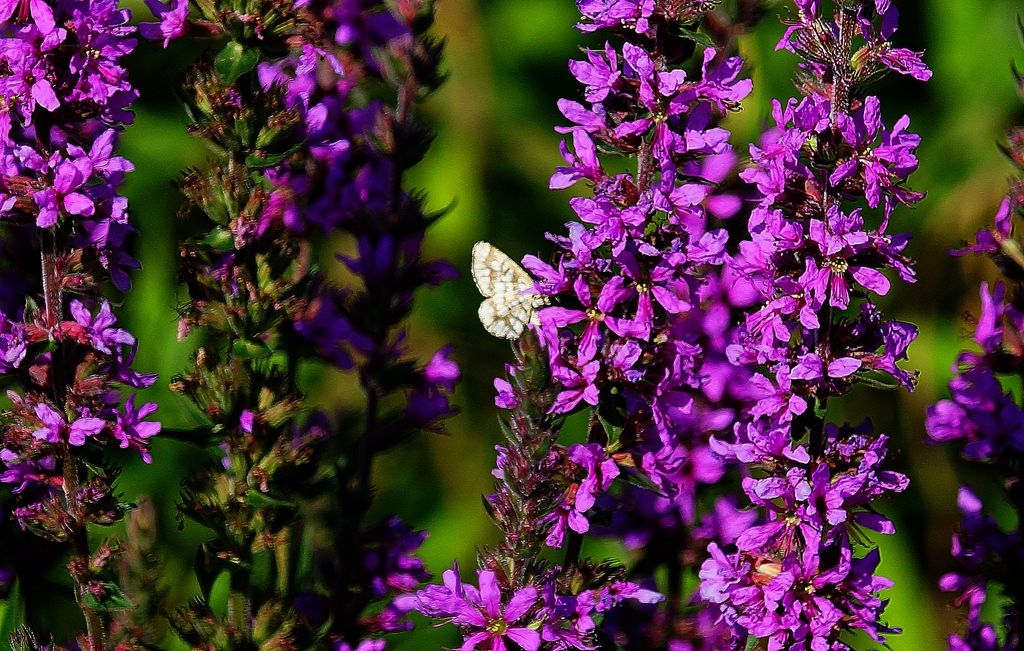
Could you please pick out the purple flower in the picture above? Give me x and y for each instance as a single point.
(173, 21)
(600, 472)
(566, 515)
(132, 431)
(390, 559)
(603, 14)
(582, 160)
(506, 398)
(21, 10)
(365, 645)
(484, 616)
(13, 345)
(986, 417)
(25, 473)
(905, 62)
(27, 83)
(578, 386)
(441, 370)
(100, 328)
(56, 429)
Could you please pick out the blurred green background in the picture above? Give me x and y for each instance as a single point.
(493, 155)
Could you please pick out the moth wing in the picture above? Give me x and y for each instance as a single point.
(495, 273)
(506, 315)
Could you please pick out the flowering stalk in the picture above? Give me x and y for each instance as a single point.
(626, 278)
(988, 420)
(797, 579)
(350, 182)
(143, 626)
(671, 536)
(304, 152)
(550, 605)
(246, 286)
(63, 99)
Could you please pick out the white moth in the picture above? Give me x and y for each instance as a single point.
(510, 297)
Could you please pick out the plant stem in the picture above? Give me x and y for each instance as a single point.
(77, 532)
(79, 564)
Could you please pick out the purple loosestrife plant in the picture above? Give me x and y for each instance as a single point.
(671, 534)
(66, 363)
(362, 135)
(623, 341)
(311, 108)
(989, 423)
(828, 175)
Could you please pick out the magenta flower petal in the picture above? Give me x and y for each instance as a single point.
(520, 604)
(844, 367)
(526, 638)
(871, 279)
(84, 428)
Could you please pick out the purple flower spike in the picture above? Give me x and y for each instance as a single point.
(65, 97)
(793, 580)
(325, 169)
(634, 337)
(986, 421)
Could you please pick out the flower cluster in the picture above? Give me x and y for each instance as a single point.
(64, 97)
(348, 183)
(625, 339)
(303, 154)
(629, 277)
(816, 256)
(988, 421)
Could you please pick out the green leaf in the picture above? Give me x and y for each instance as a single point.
(114, 600)
(234, 61)
(268, 160)
(261, 162)
(696, 37)
(248, 349)
(261, 500)
(220, 239)
(641, 481)
(611, 419)
(11, 612)
(261, 575)
(202, 436)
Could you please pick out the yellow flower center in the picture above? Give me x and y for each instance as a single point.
(839, 266)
